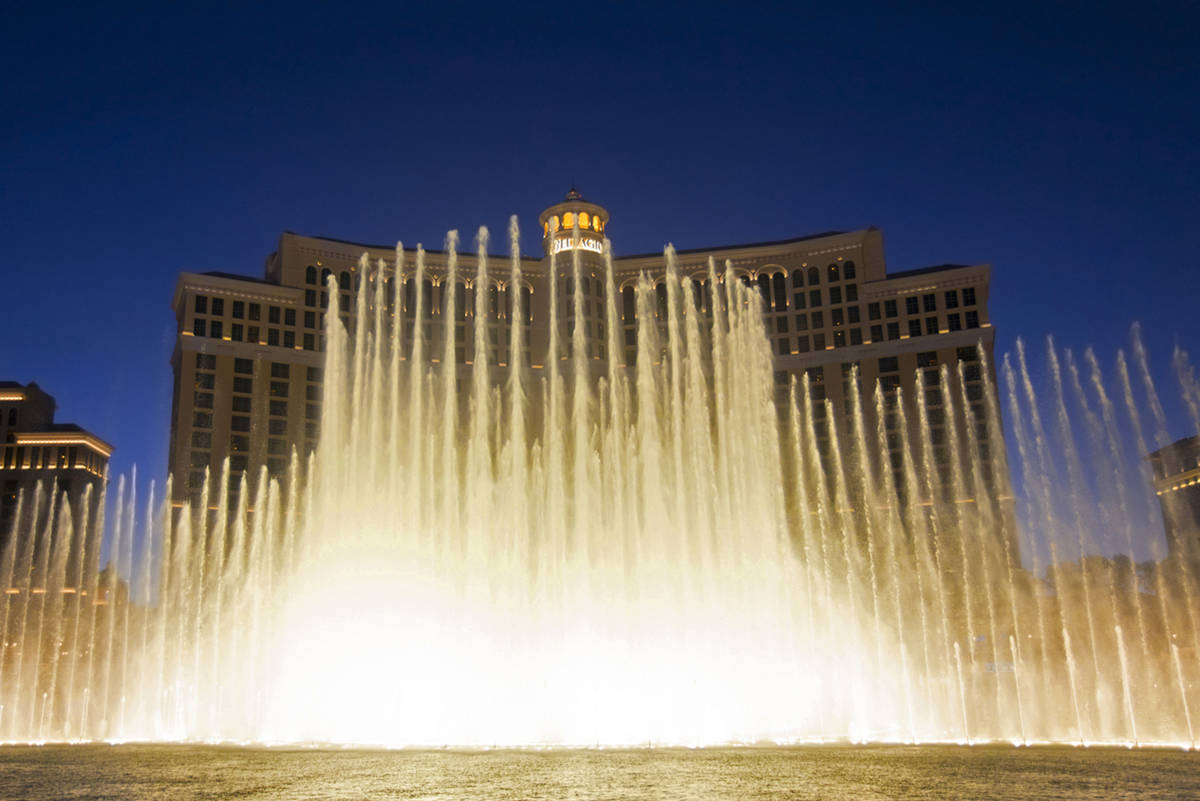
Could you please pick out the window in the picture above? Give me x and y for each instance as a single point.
(972, 372)
(252, 333)
(931, 326)
(315, 374)
(930, 302)
(783, 346)
(214, 330)
(834, 271)
(932, 378)
(199, 459)
(801, 322)
(889, 383)
(972, 319)
(914, 328)
(873, 311)
(889, 364)
(911, 306)
(241, 403)
(273, 315)
(310, 297)
(239, 423)
(202, 400)
(218, 307)
(312, 412)
(201, 420)
(201, 439)
(818, 341)
(235, 332)
(344, 281)
(797, 279)
(201, 306)
(273, 337)
(243, 366)
(279, 370)
(198, 327)
(289, 316)
(254, 311)
(310, 342)
(310, 319)
(310, 274)
(837, 317)
(312, 392)
(802, 344)
(852, 314)
(848, 271)
(835, 294)
(243, 385)
(239, 310)
(814, 298)
(814, 276)
(927, 358)
(852, 292)
(889, 308)
(276, 465)
(779, 285)
(877, 333)
(818, 319)
(839, 339)
(279, 408)
(289, 339)
(954, 322)
(206, 361)
(969, 296)
(975, 392)
(856, 336)
(237, 462)
(781, 325)
(893, 330)
(968, 354)
(205, 380)
(798, 300)
(277, 427)
(952, 299)
(279, 389)
(239, 443)
(276, 447)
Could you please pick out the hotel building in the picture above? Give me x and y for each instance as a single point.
(36, 450)
(1176, 471)
(247, 363)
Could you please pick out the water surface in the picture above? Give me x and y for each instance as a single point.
(830, 773)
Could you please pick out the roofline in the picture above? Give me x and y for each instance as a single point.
(392, 248)
(744, 245)
(80, 437)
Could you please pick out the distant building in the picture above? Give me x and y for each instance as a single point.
(1176, 471)
(35, 451)
(247, 361)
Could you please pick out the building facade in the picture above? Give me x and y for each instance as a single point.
(247, 364)
(1176, 470)
(35, 451)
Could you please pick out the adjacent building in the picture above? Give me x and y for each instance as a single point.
(1176, 470)
(36, 451)
(247, 363)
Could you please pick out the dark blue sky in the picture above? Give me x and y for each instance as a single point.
(1057, 145)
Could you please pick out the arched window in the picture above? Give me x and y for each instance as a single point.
(764, 289)
(833, 272)
(699, 296)
(325, 276)
(344, 281)
(310, 274)
(585, 220)
(427, 297)
(628, 304)
(848, 271)
(661, 291)
(527, 304)
(797, 279)
(569, 220)
(780, 285)
(814, 276)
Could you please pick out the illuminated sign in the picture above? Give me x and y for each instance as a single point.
(559, 245)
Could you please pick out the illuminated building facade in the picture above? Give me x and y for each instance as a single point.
(34, 450)
(247, 364)
(1176, 471)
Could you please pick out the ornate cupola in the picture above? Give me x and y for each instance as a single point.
(573, 224)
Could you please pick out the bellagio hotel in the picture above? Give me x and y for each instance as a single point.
(248, 356)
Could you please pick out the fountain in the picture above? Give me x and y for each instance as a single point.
(653, 554)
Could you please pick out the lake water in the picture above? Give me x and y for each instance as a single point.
(829, 773)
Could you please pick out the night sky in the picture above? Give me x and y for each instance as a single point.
(1056, 145)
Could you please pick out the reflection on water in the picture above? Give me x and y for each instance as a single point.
(830, 773)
